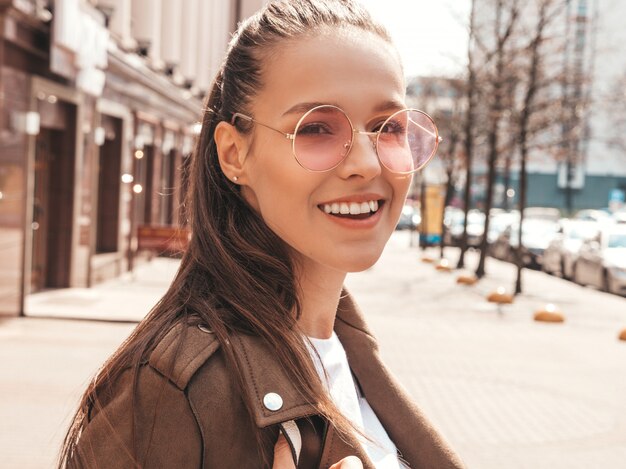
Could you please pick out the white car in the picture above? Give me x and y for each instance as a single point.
(562, 252)
(620, 216)
(536, 235)
(592, 215)
(499, 222)
(475, 227)
(602, 260)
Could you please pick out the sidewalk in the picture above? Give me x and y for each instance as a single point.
(506, 391)
(126, 298)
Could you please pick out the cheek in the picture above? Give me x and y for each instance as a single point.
(401, 186)
(277, 187)
(404, 184)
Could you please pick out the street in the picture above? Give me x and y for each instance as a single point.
(506, 391)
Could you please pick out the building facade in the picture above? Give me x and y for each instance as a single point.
(584, 58)
(593, 168)
(99, 104)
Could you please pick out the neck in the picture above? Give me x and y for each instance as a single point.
(320, 290)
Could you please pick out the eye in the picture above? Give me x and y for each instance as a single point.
(392, 126)
(314, 128)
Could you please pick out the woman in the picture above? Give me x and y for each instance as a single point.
(301, 170)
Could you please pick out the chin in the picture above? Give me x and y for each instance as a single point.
(360, 262)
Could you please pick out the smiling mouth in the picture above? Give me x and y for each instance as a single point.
(352, 210)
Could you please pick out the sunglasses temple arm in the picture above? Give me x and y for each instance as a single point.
(250, 119)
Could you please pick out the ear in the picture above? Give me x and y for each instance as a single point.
(232, 148)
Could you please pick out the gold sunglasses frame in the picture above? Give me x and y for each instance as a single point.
(292, 136)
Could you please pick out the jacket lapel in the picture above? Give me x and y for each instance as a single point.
(275, 398)
(264, 375)
(416, 439)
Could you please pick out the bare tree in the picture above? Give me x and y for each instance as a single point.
(510, 146)
(515, 105)
(506, 20)
(548, 11)
(471, 88)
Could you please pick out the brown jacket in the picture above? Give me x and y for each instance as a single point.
(202, 423)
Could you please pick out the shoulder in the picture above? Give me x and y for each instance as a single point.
(145, 414)
(183, 351)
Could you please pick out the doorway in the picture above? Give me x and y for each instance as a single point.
(109, 174)
(53, 207)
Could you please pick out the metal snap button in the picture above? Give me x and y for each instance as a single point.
(272, 401)
(203, 328)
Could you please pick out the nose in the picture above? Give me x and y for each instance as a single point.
(362, 160)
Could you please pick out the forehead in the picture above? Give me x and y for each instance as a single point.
(354, 69)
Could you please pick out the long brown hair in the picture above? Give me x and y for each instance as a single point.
(236, 275)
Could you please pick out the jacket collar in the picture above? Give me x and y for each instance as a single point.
(264, 375)
(266, 379)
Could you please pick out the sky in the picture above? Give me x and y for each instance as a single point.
(431, 35)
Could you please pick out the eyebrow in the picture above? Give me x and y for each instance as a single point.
(301, 108)
(391, 105)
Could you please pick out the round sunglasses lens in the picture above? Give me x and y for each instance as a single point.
(323, 138)
(407, 141)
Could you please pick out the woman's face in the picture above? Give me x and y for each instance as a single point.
(360, 73)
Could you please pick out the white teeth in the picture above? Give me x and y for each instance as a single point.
(352, 208)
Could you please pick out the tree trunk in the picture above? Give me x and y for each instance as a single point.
(469, 125)
(448, 197)
(522, 205)
(495, 116)
(491, 175)
(531, 91)
(507, 180)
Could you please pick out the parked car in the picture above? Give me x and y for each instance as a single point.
(592, 215)
(475, 227)
(536, 235)
(453, 220)
(500, 221)
(602, 260)
(620, 216)
(562, 252)
(549, 214)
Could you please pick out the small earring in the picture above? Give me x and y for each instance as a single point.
(235, 178)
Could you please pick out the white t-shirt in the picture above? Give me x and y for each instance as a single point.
(343, 391)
